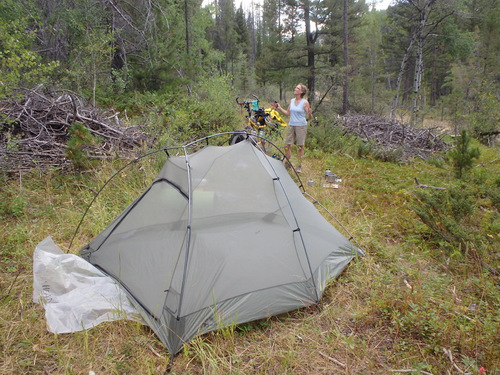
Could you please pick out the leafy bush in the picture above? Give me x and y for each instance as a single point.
(175, 119)
(19, 64)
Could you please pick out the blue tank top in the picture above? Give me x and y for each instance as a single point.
(297, 113)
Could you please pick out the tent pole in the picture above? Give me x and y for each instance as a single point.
(188, 231)
(105, 184)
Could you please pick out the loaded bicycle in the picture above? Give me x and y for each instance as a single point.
(266, 123)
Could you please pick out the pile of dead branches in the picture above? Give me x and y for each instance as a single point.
(394, 136)
(34, 130)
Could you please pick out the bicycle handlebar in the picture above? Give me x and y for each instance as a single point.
(246, 101)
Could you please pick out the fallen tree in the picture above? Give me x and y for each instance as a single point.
(35, 129)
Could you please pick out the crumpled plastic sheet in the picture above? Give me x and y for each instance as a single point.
(75, 294)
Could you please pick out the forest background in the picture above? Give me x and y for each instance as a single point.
(421, 58)
(425, 300)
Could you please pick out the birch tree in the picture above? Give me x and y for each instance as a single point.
(422, 10)
(421, 27)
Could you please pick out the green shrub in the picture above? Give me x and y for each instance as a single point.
(334, 138)
(462, 155)
(174, 119)
(80, 139)
(447, 213)
(435, 161)
(393, 156)
(20, 66)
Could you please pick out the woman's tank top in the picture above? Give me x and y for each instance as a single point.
(297, 113)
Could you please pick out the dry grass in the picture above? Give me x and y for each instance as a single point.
(394, 310)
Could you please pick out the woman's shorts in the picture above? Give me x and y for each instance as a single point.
(297, 133)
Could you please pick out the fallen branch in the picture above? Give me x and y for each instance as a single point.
(419, 185)
(333, 360)
(12, 284)
(154, 351)
(483, 164)
(450, 356)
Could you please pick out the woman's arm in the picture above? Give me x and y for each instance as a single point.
(307, 108)
(285, 112)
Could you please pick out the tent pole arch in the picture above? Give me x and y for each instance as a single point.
(184, 148)
(297, 226)
(252, 243)
(165, 149)
(103, 186)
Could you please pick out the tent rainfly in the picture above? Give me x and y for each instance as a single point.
(222, 236)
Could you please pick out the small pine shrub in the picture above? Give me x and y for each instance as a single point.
(393, 156)
(80, 139)
(325, 138)
(333, 138)
(447, 214)
(462, 155)
(437, 162)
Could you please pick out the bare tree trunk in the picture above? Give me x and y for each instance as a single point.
(346, 62)
(310, 41)
(186, 20)
(423, 15)
(434, 88)
(372, 66)
(417, 79)
(418, 36)
(400, 75)
(253, 38)
(388, 83)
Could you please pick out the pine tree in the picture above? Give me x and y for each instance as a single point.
(462, 155)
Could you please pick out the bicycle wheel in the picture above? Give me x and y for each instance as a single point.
(246, 134)
(238, 137)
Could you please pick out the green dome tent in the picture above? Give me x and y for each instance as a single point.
(222, 236)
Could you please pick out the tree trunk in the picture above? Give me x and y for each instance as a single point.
(310, 40)
(434, 86)
(417, 78)
(419, 63)
(388, 82)
(418, 36)
(186, 20)
(346, 62)
(372, 67)
(400, 75)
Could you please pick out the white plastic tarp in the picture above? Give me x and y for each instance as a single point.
(75, 294)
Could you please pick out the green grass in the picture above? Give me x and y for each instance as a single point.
(410, 303)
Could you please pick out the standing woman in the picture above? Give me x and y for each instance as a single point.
(299, 111)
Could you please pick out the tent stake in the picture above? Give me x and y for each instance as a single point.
(170, 364)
